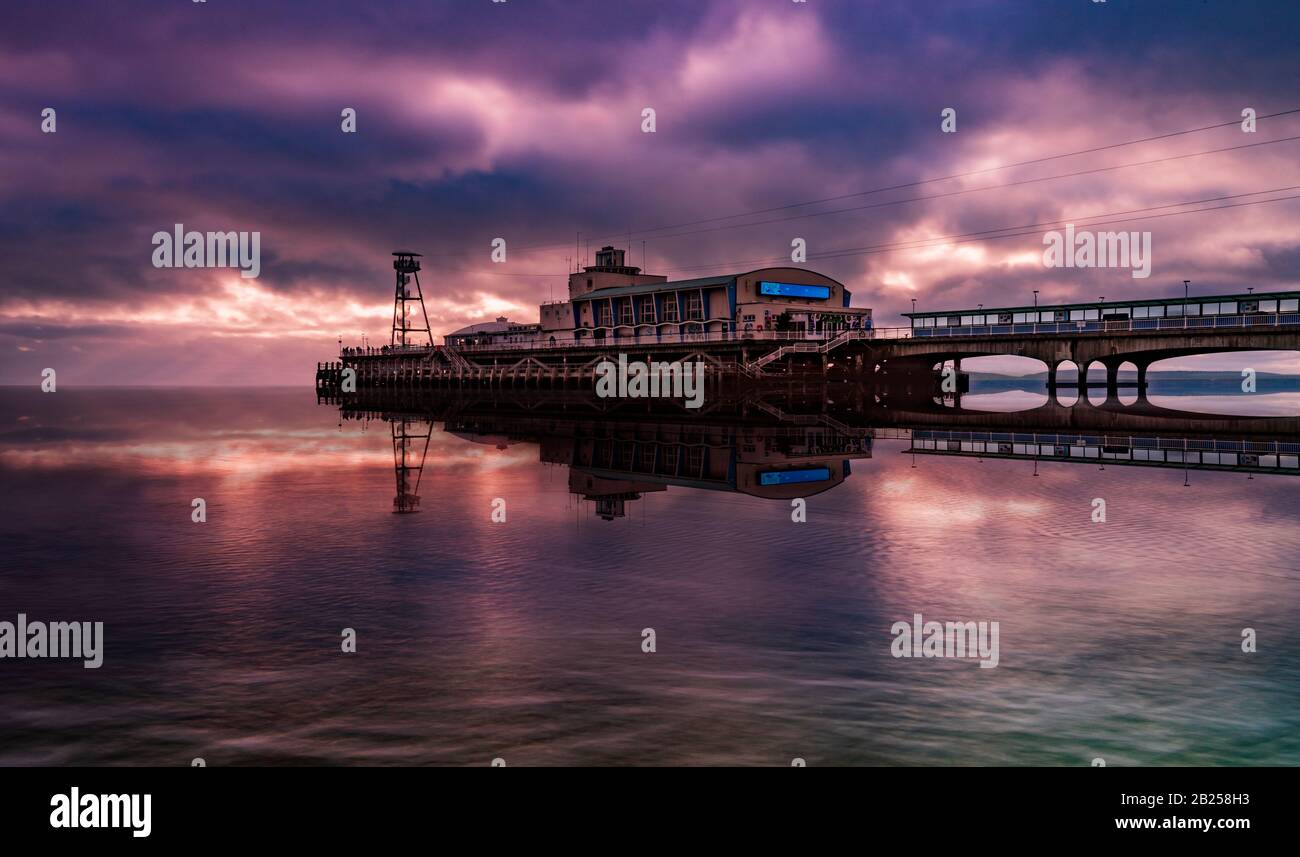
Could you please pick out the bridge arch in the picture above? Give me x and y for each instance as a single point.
(1063, 379)
(1230, 388)
(1098, 376)
(1128, 372)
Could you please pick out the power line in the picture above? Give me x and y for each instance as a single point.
(935, 179)
(1013, 231)
(981, 235)
(1075, 174)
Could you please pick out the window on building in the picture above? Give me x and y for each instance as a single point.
(694, 306)
(670, 308)
(625, 312)
(647, 309)
(605, 315)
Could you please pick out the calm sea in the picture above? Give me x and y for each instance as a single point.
(522, 640)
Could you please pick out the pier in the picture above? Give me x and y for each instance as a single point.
(778, 323)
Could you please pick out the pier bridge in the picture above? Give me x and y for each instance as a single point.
(1138, 332)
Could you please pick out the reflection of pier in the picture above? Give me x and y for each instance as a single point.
(1140, 434)
(620, 454)
(801, 442)
(1199, 453)
(1111, 416)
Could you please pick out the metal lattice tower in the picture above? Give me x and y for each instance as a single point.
(407, 266)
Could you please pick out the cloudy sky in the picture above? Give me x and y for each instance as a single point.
(523, 120)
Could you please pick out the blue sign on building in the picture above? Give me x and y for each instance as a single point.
(794, 290)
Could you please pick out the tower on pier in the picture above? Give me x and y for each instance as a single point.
(407, 266)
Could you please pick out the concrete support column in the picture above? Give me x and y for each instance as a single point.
(1051, 376)
(1112, 380)
(1142, 381)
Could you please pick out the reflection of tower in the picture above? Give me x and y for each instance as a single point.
(404, 462)
(407, 267)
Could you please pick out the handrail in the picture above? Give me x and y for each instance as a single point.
(1132, 325)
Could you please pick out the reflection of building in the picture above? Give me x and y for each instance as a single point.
(612, 467)
(613, 460)
(613, 300)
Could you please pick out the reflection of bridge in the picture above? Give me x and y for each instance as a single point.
(1236, 454)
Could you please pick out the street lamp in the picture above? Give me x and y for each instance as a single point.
(1035, 298)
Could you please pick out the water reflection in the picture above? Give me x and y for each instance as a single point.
(522, 640)
(787, 445)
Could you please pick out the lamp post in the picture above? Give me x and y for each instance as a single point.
(1035, 298)
(913, 320)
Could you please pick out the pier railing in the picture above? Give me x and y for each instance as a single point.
(1132, 325)
(815, 339)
